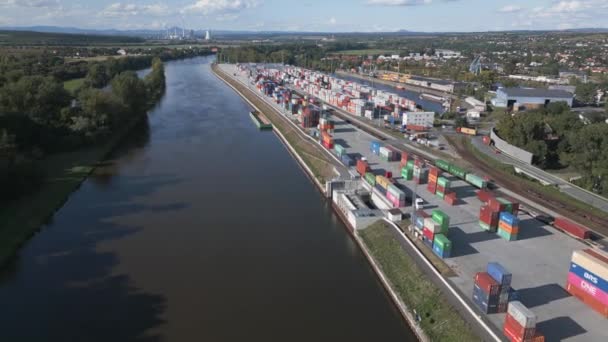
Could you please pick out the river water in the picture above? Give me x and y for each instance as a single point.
(200, 228)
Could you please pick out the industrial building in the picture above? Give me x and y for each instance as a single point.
(418, 119)
(536, 97)
(441, 85)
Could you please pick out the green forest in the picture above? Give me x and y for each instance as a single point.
(559, 139)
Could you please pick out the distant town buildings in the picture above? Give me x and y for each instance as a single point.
(447, 54)
(122, 52)
(207, 35)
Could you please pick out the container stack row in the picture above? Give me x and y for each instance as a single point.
(434, 232)
(421, 173)
(520, 324)
(588, 279)
(434, 174)
(385, 186)
(492, 289)
(461, 173)
(407, 171)
(327, 140)
(389, 154)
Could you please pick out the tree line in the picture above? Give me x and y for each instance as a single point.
(558, 138)
(38, 117)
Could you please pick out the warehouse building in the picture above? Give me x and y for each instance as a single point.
(418, 120)
(537, 97)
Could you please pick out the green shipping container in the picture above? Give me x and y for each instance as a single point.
(440, 194)
(443, 242)
(506, 236)
(410, 164)
(458, 172)
(507, 203)
(444, 182)
(340, 150)
(485, 226)
(442, 218)
(476, 180)
(442, 164)
(370, 178)
(407, 174)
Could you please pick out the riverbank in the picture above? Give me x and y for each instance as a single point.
(437, 320)
(65, 173)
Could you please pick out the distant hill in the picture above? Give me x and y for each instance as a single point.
(54, 38)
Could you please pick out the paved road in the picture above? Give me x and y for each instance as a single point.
(563, 185)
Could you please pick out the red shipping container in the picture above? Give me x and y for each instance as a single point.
(388, 174)
(495, 205)
(486, 140)
(432, 188)
(484, 195)
(441, 189)
(522, 333)
(450, 200)
(328, 145)
(511, 335)
(428, 234)
(404, 157)
(588, 299)
(362, 167)
(433, 170)
(487, 283)
(572, 228)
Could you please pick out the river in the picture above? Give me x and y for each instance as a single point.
(199, 228)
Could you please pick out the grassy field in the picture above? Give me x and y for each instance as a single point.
(439, 320)
(65, 172)
(74, 84)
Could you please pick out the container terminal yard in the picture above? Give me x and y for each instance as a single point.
(539, 256)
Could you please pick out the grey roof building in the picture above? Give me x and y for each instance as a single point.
(506, 97)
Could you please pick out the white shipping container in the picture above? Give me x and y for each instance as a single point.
(521, 314)
(591, 263)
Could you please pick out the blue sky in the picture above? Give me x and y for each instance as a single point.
(309, 15)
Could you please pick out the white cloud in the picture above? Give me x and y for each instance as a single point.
(119, 9)
(31, 3)
(206, 7)
(510, 9)
(565, 14)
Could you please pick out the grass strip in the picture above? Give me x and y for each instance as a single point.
(439, 319)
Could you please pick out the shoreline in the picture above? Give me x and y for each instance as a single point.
(32, 224)
(397, 302)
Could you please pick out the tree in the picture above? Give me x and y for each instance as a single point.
(585, 92)
(97, 76)
(130, 90)
(589, 153)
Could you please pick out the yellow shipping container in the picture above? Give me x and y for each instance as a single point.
(469, 131)
(591, 263)
(383, 181)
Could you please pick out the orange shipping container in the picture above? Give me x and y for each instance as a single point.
(507, 228)
(588, 299)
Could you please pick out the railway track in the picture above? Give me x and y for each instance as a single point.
(595, 222)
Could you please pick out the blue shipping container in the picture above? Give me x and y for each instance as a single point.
(493, 299)
(427, 242)
(592, 278)
(420, 222)
(348, 161)
(381, 189)
(483, 305)
(513, 295)
(499, 273)
(375, 147)
(509, 218)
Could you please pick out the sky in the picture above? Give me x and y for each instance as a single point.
(309, 15)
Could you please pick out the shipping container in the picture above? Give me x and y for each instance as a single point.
(370, 178)
(487, 283)
(506, 235)
(346, 160)
(429, 235)
(457, 171)
(442, 253)
(592, 261)
(521, 314)
(443, 242)
(516, 332)
(375, 147)
(496, 205)
(586, 286)
(588, 299)
(476, 181)
(383, 181)
(442, 164)
(444, 182)
(499, 273)
(431, 188)
(442, 218)
(508, 206)
(512, 230)
(484, 195)
(362, 167)
(572, 228)
(340, 150)
(589, 276)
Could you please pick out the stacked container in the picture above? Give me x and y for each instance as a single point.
(434, 174)
(383, 182)
(443, 185)
(442, 219)
(347, 160)
(442, 164)
(484, 195)
(502, 277)
(572, 228)
(387, 154)
(450, 198)
(486, 293)
(420, 172)
(370, 178)
(508, 226)
(404, 159)
(340, 150)
(457, 171)
(418, 219)
(407, 172)
(362, 167)
(588, 279)
(327, 140)
(375, 147)
(488, 219)
(442, 246)
(395, 196)
(520, 323)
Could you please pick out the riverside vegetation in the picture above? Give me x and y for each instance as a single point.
(50, 138)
